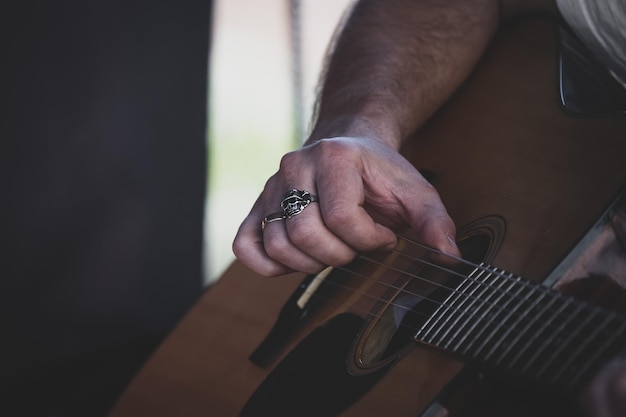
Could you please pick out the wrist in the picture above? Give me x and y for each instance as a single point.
(357, 126)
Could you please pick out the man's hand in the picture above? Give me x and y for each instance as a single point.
(393, 66)
(367, 191)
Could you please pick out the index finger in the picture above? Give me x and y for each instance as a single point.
(342, 199)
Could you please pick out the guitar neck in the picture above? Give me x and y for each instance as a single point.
(510, 325)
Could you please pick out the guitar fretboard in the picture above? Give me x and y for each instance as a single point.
(508, 324)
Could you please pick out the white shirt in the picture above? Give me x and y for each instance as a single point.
(601, 25)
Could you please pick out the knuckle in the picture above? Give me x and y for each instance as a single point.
(337, 217)
(244, 253)
(302, 234)
(238, 248)
(243, 247)
(290, 161)
(275, 248)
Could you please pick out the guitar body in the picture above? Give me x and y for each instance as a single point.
(503, 149)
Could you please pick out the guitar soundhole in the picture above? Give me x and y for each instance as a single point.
(390, 327)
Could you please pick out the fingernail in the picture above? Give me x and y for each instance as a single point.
(451, 240)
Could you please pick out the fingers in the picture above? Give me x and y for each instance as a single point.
(429, 218)
(342, 200)
(303, 242)
(385, 194)
(300, 243)
(248, 246)
(308, 247)
(366, 192)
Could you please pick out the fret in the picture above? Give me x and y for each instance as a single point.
(433, 322)
(500, 320)
(431, 327)
(462, 333)
(534, 318)
(510, 326)
(463, 294)
(547, 342)
(491, 326)
(599, 355)
(427, 327)
(474, 301)
(569, 336)
(581, 347)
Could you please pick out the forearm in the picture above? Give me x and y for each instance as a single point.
(397, 61)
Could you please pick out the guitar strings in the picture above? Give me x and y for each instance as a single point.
(465, 335)
(516, 280)
(534, 287)
(541, 329)
(400, 290)
(451, 290)
(380, 317)
(402, 324)
(460, 335)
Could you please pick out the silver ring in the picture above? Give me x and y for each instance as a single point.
(272, 218)
(295, 201)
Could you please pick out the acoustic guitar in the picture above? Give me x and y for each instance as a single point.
(535, 192)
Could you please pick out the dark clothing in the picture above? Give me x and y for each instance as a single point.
(102, 187)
